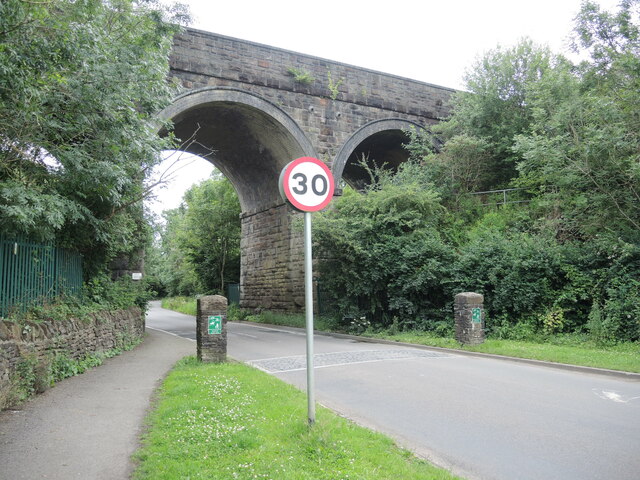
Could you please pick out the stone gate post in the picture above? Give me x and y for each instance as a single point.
(211, 329)
(468, 310)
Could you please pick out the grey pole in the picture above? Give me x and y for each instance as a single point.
(308, 296)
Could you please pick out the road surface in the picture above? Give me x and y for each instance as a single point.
(482, 418)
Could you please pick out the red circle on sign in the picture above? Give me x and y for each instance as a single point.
(307, 183)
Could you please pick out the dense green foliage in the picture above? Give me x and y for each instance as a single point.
(199, 249)
(98, 294)
(568, 260)
(381, 251)
(80, 82)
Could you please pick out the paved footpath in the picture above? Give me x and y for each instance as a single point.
(88, 426)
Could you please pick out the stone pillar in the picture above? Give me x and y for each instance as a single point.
(272, 261)
(211, 329)
(469, 314)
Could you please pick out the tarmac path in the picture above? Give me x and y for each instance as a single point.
(87, 427)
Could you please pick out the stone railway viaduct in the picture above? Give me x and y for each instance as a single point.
(244, 109)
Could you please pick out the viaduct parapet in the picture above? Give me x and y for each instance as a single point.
(251, 108)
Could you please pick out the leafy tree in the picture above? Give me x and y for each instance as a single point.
(581, 151)
(566, 261)
(211, 239)
(495, 108)
(170, 267)
(80, 82)
(201, 240)
(460, 167)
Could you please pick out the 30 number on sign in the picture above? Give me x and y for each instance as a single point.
(301, 188)
(307, 183)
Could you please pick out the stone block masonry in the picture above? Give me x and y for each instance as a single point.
(75, 339)
(273, 261)
(338, 100)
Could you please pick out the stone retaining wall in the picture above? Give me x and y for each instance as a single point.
(41, 342)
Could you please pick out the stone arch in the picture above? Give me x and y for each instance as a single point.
(248, 138)
(379, 141)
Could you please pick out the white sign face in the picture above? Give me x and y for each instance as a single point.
(307, 183)
(136, 276)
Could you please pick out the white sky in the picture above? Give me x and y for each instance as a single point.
(431, 41)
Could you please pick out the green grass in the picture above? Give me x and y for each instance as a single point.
(230, 421)
(186, 305)
(624, 357)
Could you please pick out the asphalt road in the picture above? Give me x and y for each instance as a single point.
(482, 418)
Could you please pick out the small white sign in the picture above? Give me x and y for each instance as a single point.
(136, 275)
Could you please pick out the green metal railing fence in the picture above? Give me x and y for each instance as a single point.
(32, 273)
(503, 197)
(233, 293)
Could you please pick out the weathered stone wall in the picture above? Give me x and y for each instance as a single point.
(72, 338)
(203, 59)
(272, 260)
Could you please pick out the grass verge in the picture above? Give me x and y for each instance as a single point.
(231, 421)
(624, 357)
(186, 305)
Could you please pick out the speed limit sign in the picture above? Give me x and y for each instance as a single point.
(307, 183)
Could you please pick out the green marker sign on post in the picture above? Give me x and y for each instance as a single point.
(476, 315)
(215, 324)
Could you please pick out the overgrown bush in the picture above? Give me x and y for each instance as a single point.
(99, 294)
(519, 274)
(615, 310)
(382, 256)
(64, 367)
(117, 294)
(602, 293)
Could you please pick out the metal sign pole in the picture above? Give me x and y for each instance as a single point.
(308, 295)
(307, 185)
